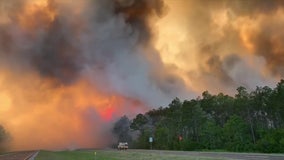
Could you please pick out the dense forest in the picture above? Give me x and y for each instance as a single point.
(247, 122)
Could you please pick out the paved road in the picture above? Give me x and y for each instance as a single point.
(23, 155)
(235, 156)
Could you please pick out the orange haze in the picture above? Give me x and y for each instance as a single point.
(69, 69)
(39, 114)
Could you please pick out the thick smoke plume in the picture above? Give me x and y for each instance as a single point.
(69, 68)
(220, 45)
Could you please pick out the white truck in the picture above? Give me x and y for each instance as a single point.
(122, 146)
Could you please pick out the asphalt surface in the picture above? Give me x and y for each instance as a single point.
(235, 156)
(23, 155)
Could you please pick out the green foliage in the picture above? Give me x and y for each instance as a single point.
(138, 122)
(143, 140)
(272, 141)
(161, 140)
(249, 121)
(236, 134)
(211, 135)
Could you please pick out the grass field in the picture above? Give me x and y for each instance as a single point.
(112, 155)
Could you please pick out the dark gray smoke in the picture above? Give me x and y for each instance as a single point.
(137, 12)
(109, 42)
(58, 55)
(121, 129)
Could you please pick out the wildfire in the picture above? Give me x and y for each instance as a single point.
(68, 69)
(60, 113)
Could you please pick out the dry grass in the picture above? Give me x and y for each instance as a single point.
(114, 155)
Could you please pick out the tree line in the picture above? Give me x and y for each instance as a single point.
(246, 122)
(4, 138)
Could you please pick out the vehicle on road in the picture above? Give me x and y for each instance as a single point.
(122, 146)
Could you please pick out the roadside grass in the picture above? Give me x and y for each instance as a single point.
(113, 155)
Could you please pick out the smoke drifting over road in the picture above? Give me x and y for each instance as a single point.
(69, 68)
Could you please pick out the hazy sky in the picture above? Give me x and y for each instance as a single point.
(69, 68)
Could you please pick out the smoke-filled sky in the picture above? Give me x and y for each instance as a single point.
(69, 68)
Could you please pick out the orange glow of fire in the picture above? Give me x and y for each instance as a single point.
(76, 114)
(107, 113)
